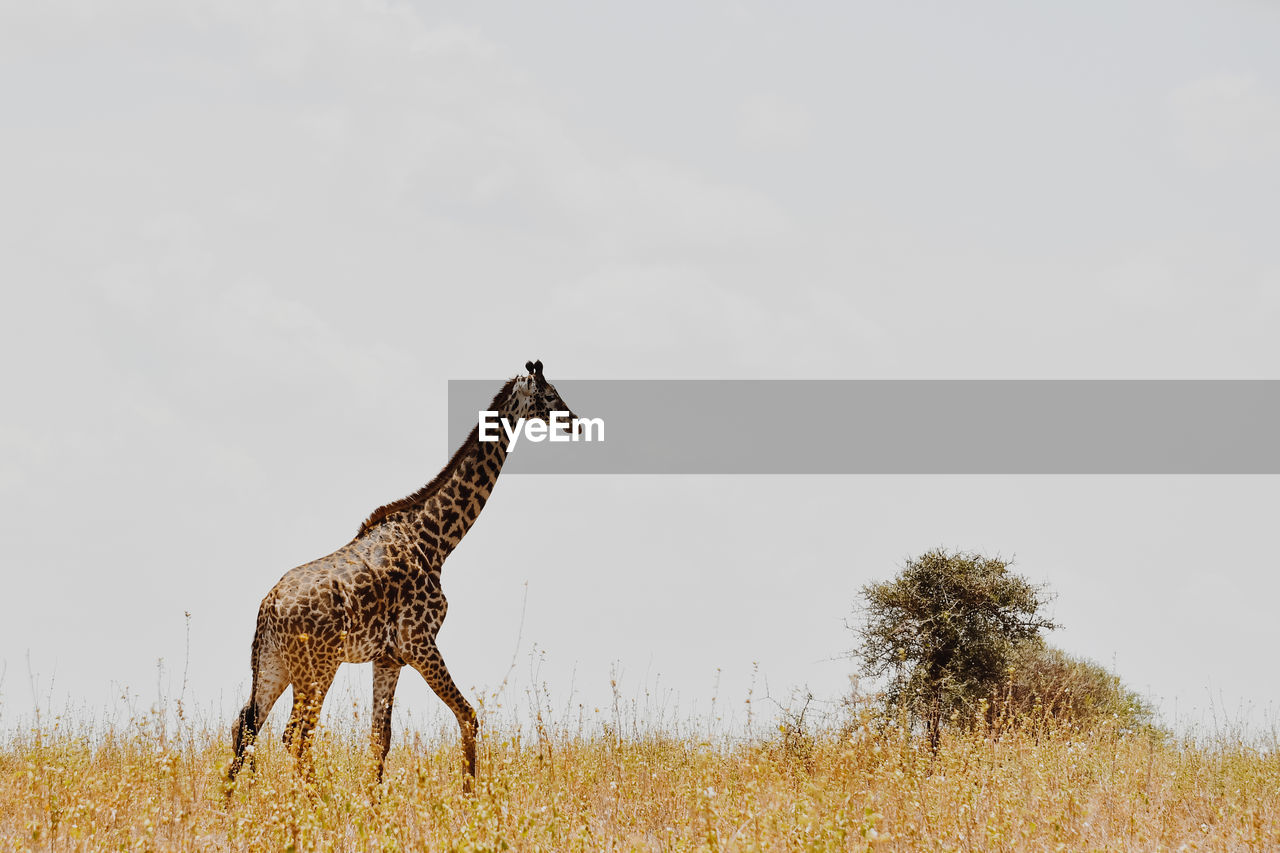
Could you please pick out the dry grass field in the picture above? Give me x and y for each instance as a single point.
(139, 787)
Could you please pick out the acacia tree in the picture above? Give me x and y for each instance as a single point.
(945, 631)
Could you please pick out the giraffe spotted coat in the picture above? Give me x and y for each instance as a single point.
(379, 598)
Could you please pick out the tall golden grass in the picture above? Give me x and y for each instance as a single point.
(147, 786)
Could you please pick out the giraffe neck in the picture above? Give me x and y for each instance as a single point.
(436, 526)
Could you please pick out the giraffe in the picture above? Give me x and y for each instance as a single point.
(378, 598)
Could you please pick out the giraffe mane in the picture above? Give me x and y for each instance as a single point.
(419, 497)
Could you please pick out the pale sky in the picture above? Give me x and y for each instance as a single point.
(245, 245)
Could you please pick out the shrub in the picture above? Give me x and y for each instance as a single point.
(1046, 683)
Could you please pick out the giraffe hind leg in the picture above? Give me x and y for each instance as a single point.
(386, 674)
(308, 699)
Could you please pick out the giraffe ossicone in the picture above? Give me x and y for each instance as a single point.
(379, 599)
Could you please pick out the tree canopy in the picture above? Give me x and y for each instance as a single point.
(946, 630)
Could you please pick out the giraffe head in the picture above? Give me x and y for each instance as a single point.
(534, 398)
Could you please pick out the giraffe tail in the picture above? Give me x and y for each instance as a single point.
(245, 728)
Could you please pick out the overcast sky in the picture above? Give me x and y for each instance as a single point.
(245, 245)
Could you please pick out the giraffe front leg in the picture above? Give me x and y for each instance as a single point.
(386, 674)
(431, 665)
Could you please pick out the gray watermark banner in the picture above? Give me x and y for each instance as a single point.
(902, 427)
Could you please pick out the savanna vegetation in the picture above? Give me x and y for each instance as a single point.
(983, 738)
(863, 786)
(959, 639)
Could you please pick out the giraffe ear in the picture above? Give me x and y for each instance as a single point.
(537, 367)
(528, 365)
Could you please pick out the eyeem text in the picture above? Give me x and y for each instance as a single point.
(558, 427)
